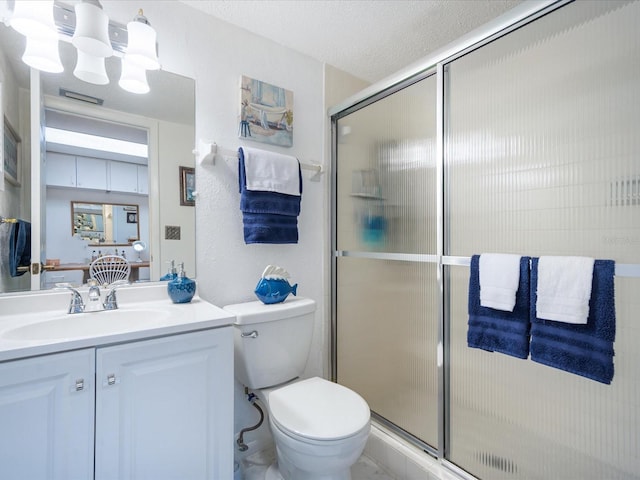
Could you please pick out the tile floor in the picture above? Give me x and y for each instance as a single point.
(255, 467)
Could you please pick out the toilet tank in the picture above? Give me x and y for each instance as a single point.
(271, 342)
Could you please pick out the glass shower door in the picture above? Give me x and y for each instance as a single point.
(387, 295)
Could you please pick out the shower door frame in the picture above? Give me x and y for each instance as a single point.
(433, 64)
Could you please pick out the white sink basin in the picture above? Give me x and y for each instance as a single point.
(80, 325)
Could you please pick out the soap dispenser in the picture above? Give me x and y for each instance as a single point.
(171, 274)
(181, 289)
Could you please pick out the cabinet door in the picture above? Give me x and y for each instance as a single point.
(164, 408)
(60, 170)
(91, 173)
(123, 177)
(46, 417)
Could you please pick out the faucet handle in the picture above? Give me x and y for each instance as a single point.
(76, 305)
(110, 301)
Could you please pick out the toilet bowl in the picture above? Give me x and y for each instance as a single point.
(320, 428)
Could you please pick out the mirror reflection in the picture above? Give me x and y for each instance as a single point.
(163, 120)
(105, 223)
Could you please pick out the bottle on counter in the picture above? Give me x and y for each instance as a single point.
(171, 273)
(181, 289)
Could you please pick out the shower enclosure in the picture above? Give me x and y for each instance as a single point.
(519, 139)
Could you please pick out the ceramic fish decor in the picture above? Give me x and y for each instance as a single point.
(274, 287)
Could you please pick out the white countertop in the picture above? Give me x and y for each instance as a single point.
(144, 312)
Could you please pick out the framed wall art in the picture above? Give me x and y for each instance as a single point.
(266, 113)
(187, 186)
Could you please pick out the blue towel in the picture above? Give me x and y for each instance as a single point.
(585, 350)
(268, 217)
(499, 330)
(19, 247)
(259, 228)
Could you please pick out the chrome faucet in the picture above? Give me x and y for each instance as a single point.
(110, 301)
(76, 305)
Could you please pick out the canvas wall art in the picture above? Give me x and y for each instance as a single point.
(266, 113)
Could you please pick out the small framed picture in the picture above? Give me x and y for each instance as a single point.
(187, 186)
(132, 217)
(11, 154)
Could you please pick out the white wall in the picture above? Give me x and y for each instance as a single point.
(174, 150)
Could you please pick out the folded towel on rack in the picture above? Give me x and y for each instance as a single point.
(268, 217)
(499, 280)
(582, 349)
(564, 288)
(259, 228)
(271, 172)
(498, 330)
(19, 247)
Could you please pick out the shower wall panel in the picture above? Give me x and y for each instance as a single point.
(543, 158)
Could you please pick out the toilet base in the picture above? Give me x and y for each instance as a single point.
(273, 473)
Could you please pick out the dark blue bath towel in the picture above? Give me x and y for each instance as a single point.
(19, 247)
(499, 330)
(585, 350)
(268, 217)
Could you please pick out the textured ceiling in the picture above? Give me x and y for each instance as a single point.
(371, 39)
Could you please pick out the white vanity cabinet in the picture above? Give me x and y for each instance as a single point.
(162, 407)
(46, 417)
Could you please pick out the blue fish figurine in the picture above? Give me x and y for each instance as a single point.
(274, 290)
(274, 287)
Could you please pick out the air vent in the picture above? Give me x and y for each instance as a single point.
(171, 232)
(81, 97)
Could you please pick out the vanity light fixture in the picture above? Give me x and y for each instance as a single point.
(141, 49)
(34, 20)
(88, 28)
(91, 35)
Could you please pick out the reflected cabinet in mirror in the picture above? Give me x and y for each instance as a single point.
(79, 197)
(104, 223)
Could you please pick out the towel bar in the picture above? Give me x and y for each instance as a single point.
(206, 152)
(8, 220)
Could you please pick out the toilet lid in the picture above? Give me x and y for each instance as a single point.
(318, 409)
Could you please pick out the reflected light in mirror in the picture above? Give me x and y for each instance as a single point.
(83, 140)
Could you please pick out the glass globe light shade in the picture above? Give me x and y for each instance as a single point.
(91, 69)
(141, 48)
(133, 78)
(43, 55)
(34, 19)
(92, 30)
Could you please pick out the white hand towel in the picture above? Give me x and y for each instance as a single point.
(564, 288)
(271, 172)
(499, 279)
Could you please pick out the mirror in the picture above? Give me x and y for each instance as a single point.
(168, 116)
(139, 247)
(105, 224)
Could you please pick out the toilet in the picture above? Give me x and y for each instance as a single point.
(320, 428)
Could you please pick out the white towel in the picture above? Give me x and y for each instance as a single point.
(499, 279)
(271, 172)
(564, 289)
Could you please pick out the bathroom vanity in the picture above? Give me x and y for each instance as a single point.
(140, 395)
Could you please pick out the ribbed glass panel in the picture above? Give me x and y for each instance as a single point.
(387, 310)
(543, 158)
(387, 331)
(386, 172)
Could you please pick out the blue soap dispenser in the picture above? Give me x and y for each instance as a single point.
(171, 274)
(181, 289)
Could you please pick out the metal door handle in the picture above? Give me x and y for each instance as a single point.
(252, 334)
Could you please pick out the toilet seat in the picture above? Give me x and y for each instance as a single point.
(317, 409)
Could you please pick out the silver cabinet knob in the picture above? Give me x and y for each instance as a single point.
(252, 334)
(79, 384)
(111, 379)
